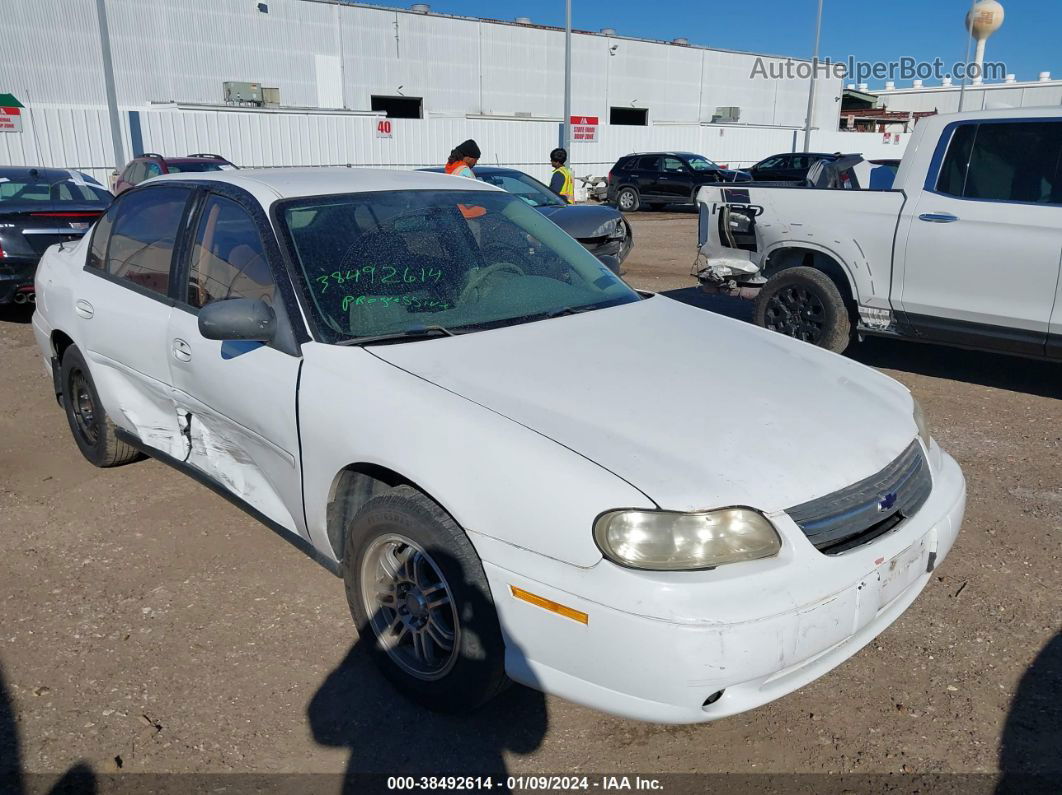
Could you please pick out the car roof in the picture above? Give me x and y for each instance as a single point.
(670, 152)
(270, 184)
(49, 175)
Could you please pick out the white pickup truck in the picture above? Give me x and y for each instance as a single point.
(965, 248)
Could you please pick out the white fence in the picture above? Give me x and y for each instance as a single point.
(79, 138)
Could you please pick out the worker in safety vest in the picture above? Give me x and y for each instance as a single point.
(463, 158)
(562, 183)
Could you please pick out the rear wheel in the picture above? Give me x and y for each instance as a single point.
(805, 304)
(627, 200)
(420, 599)
(96, 436)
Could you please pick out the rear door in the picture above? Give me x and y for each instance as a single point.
(983, 252)
(646, 175)
(237, 399)
(123, 304)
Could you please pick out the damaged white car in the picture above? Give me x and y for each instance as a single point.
(522, 470)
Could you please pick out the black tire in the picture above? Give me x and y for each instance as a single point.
(628, 200)
(96, 436)
(474, 671)
(805, 304)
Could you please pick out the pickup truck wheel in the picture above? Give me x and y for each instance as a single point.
(627, 200)
(804, 303)
(421, 602)
(96, 436)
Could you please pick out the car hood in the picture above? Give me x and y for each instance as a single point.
(583, 221)
(694, 409)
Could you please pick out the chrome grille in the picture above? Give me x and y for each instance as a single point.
(865, 510)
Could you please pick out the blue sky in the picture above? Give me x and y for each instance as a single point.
(870, 31)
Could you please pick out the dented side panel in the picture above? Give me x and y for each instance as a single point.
(856, 229)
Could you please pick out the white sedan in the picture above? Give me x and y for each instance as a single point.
(522, 469)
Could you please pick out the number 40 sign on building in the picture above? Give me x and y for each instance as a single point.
(584, 128)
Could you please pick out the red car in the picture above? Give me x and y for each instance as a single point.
(150, 165)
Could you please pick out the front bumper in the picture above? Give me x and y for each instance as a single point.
(755, 631)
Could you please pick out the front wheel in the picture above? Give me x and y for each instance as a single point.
(419, 597)
(805, 304)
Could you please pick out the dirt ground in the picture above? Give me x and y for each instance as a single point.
(148, 625)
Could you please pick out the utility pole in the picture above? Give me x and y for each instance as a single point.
(567, 142)
(814, 78)
(108, 83)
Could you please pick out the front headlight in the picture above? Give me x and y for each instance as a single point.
(671, 541)
(922, 423)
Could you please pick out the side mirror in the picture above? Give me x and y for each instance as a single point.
(610, 262)
(238, 319)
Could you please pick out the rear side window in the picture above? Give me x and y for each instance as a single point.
(649, 164)
(1011, 161)
(101, 233)
(228, 258)
(142, 238)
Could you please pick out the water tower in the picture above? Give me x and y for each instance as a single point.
(984, 19)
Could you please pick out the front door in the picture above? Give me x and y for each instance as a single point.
(123, 306)
(238, 399)
(676, 180)
(984, 246)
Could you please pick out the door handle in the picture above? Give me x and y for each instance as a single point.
(83, 308)
(182, 351)
(938, 218)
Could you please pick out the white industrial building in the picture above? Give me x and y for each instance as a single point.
(945, 98)
(324, 73)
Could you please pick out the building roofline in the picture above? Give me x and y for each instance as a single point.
(575, 32)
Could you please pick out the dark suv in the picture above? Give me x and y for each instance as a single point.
(150, 165)
(659, 178)
(788, 166)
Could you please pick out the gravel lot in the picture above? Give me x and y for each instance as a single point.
(146, 625)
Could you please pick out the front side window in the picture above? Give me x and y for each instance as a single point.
(152, 169)
(228, 259)
(395, 262)
(527, 188)
(698, 163)
(1011, 161)
(673, 165)
(146, 223)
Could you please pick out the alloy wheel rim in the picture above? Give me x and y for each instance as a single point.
(797, 312)
(411, 608)
(626, 200)
(84, 408)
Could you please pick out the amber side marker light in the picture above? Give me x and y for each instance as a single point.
(549, 604)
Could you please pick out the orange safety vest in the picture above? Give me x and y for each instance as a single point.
(460, 168)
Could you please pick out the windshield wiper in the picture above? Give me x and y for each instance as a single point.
(409, 335)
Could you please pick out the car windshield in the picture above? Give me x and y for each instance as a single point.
(527, 188)
(198, 166)
(403, 262)
(67, 191)
(698, 163)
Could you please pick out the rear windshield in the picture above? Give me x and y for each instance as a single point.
(199, 166)
(13, 191)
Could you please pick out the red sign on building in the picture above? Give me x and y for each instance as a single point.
(584, 129)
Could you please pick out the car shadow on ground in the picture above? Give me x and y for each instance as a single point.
(386, 734)
(1013, 373)
(78, 779)
(16, 313)
(1030, 755)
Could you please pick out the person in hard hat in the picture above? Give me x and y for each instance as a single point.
(463, 158)
(562, 182)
